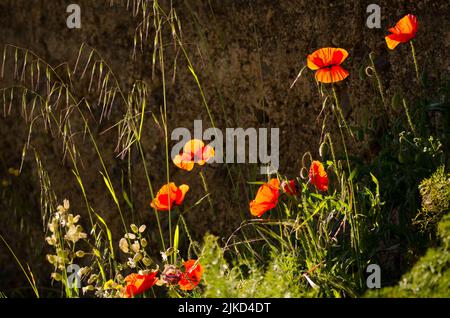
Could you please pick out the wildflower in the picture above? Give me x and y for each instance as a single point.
(75, 233)
(290, 187)
(404, 31)
(318, 176)
(266, 198)
(171, 275)
(169, 195)
(192, 275)
(110, 284)
(139, 283)
(194, 151)
(326, 62)
(131, 263)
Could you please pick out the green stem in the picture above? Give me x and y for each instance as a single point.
(377, 77)
(408, 116)
(344, 144)
(151, 193)
(158, 21)
(416, 65)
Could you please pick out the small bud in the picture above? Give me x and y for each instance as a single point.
(123, 245)
(80, 254)
(50, 240)
(66, 204)
(83, 271)
(142, 228)
(147, 261)
(56, 276)
(136, 247)
(137, 258)
(130, 236)
(87, 288)
(76, 219)
(143, 242)
(92, 278)
(51, 259)
(134, 228)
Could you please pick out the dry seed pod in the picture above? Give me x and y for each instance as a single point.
(123, 245)
(134, 228)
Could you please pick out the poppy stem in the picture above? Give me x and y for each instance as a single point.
(416, 65)
(341, 115)
(344, 144)
(377, 77)
(408, 116)
(333, 156)
(205, 187)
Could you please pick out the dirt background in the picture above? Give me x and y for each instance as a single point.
(246, 53)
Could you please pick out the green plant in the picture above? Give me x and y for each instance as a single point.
(430, 276)
(435, 193)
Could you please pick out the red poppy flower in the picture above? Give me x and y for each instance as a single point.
(169, 195)
(194, 151)
(404, 30)
(139, 283)
(318, 176)
(290, 187)
(191, 276)
(266, 198)
(326, 62)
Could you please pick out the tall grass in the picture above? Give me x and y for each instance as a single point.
(313, 244)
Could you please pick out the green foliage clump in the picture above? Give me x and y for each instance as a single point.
(280, 279)
(435, 192)
(430, 276)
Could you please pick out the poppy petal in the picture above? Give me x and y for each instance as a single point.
(318, 176)
(183, 189)
(183, 162)
(259, 208)
(331, 75)
(266, 198)
(326, 57)
(391, 43)
(193, 147)
(339, 56)
(168, 195)
(404, 30)
(407, 24)
(192, 275)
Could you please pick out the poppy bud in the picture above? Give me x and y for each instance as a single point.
(290, 187)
